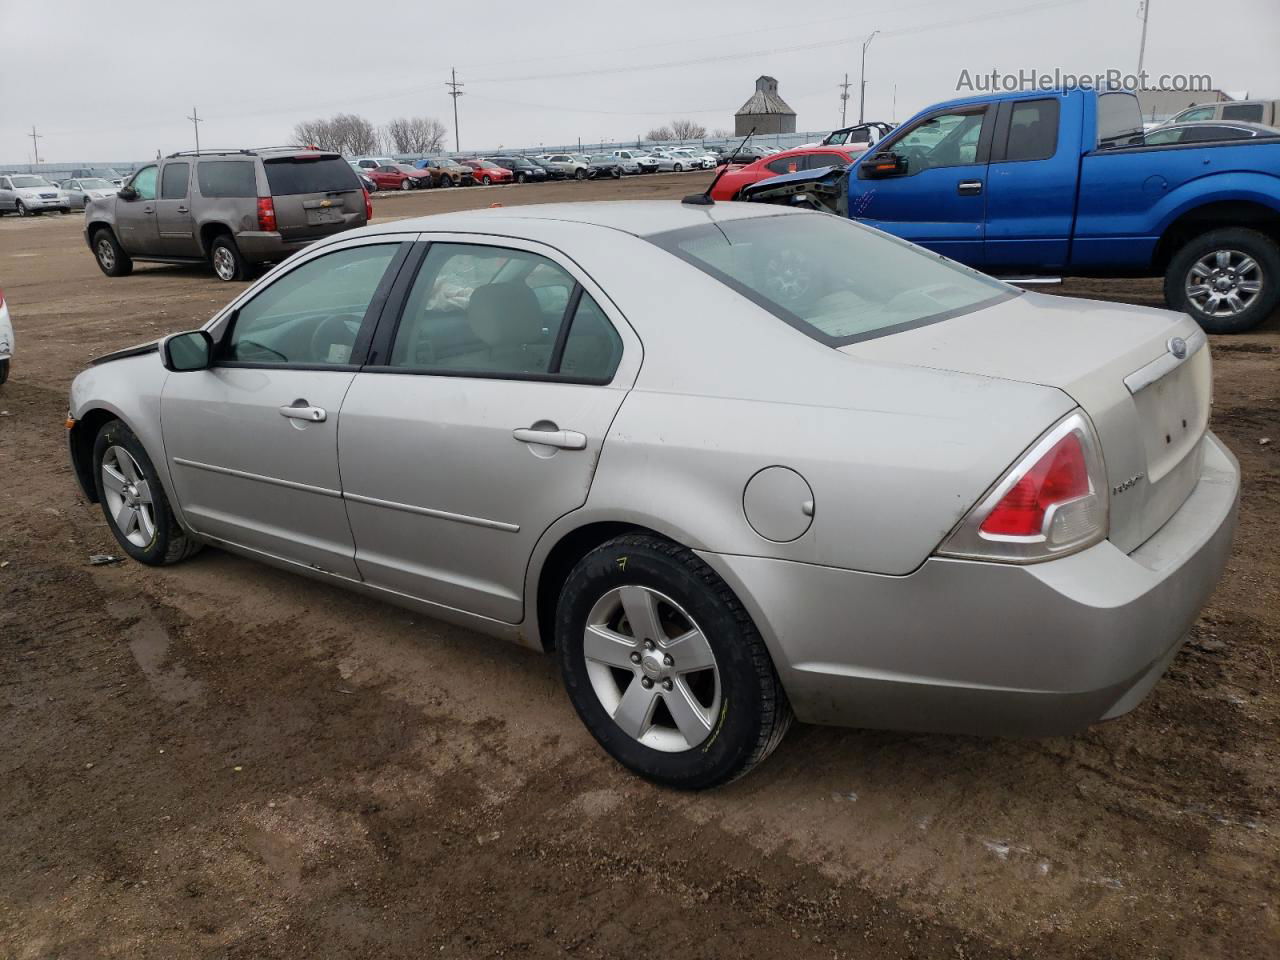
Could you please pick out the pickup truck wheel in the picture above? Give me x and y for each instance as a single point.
(112, 260)
(665, 667)
(616, 173)
(1227, 280)
(225, 257)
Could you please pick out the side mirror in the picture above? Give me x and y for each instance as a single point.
(884, 165)
(184, 352)
(127, 193)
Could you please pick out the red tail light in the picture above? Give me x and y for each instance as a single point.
(1059, 476)
(368, 207)
(1051, 502)
(266, 214)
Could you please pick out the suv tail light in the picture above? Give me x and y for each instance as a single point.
(266, 214)
(368, 207)
(1051, 503)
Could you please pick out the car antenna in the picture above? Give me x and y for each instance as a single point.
(704, 199)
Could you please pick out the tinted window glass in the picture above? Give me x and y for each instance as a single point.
(593, 348)
(1199, 113)
(145, 183)
(483, 310)
(1033, 130)
(1119, 117)
(1243, 111)
(946, 140)
(784, 165)
(817, 160)
(227, 178)
(311, 315)
(173, 182)
(1157, 137)
(832, 279)
(325, 175)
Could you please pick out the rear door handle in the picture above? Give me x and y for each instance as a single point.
(969, 188)
(301, 410)
(564, 439)
(182, 209)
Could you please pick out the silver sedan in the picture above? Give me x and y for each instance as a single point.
(81, 192)
(729, 464)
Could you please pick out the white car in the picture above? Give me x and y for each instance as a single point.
(691, 159)
(642, 161)
(80, 192)
(6, 339)
(27, 193)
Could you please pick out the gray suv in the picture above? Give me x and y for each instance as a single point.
(232, 208)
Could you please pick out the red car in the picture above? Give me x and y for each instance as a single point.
(399, 176)
(488, 173)
(788, 161)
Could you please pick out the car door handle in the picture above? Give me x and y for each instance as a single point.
(564, 439)
(148, 209)
(969, 188)
(301, 410)
(182, 209)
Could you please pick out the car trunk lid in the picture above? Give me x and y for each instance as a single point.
(314, 195)
(1119, 363)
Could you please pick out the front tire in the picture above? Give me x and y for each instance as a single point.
(406, 184)
(1227, 280)
(486, 180)
(133, 500)
(112, 260)
(225, 258)
(580, 174)
(21, 209)
(664, 666)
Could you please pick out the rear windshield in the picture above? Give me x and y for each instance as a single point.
(227, 178)
(834, 280)
(292, 175)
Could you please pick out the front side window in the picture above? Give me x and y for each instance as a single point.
(944, 140)
(173, 183)
(312, 314)
(497, 311)
(834, 280)
(1196, 113)
(1251, 112)
(1033, 130)
(144, 183)
(227, 178)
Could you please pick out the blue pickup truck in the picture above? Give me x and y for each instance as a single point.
(1063, 184)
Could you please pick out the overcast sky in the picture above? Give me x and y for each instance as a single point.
(115, 80)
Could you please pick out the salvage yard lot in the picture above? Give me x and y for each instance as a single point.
(220, 759)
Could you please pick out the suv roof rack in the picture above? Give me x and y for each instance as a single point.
(253, 152)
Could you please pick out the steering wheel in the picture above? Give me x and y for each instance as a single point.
(338, 329)
(790, 279)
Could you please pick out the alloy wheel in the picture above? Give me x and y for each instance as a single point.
(1224, 283)
(128, 497)
(224, 263)
(406, 184)
(106, 254)
(21, 208)
(652, 669)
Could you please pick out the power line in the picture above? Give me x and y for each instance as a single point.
(195, 122)
(844, 97)
(455, 91)
(35, 147)
(1144, 8)
(862, 86)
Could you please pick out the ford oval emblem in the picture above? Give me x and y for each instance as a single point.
(1178, 347)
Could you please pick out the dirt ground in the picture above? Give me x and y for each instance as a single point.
(220, 760)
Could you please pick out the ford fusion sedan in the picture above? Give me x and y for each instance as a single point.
(26, 194)
(727, 463)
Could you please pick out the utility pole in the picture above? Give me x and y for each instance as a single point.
(893, 117)
(862, 99)
(35, 148)
(1144, 8)
(195, 122)
(844, 97)
(455, 92)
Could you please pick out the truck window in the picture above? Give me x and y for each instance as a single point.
(173, 182)
(144, 182)
(943, 140)
(1033, 130)
(1242, 111)
(227, 178)
(1119, 118)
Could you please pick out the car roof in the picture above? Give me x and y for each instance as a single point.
(641, 218)
(1261, 128)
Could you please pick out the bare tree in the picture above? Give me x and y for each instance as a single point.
(687, 130)
(344, 133)
(720, 133)
(659, 133)
(415, 135)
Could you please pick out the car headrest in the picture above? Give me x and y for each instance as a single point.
(504, 313)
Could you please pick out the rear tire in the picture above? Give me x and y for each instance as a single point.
(1227, 280)
(136, 507)
(693, 687)
(617, 173)
(112, 260)
(225, 258)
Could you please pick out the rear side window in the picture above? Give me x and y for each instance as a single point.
(173, 182)
(818, 160)
(1119, 118)
(784, 165)
(1243, 111)
(226, 178)
(292, 176)
(1033, 130)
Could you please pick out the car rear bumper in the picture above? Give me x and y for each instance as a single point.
(262, 247)
(964, 646)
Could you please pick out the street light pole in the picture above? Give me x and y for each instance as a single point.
(862, 94)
